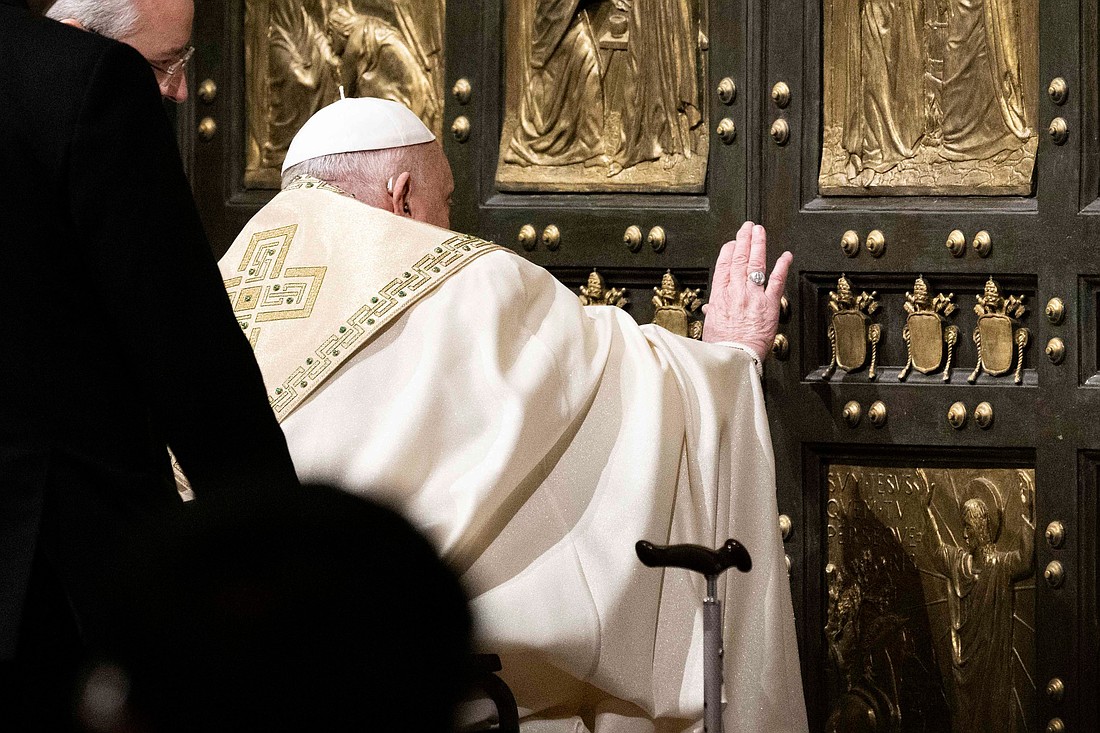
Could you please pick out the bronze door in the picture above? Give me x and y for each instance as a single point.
(909, 153)
(932, 167)
(636, 170)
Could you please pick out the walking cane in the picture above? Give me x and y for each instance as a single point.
(710, 563)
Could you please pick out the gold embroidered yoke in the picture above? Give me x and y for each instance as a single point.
(315, 275)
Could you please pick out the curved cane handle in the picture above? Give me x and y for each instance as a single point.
(695, 557)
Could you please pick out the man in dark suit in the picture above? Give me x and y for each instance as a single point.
(116, 342)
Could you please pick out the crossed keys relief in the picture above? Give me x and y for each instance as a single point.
(265, 291)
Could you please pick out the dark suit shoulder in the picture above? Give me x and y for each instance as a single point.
(49, 74)
(43, 60)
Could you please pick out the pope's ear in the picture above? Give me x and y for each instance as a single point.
(74, 23)
(401, 194)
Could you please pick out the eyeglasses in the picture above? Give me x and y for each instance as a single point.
(176, 66)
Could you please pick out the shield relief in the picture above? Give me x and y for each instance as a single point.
(997, 345)
(926, 335)
(851, 339)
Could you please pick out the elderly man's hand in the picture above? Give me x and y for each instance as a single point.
(739, 309)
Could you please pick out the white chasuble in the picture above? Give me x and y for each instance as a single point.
(535, 441)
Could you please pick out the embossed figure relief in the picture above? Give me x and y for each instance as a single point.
(931, 599)
(604, 95)
(674, 308)
(299, 53)
(851, 332)
(929, 98)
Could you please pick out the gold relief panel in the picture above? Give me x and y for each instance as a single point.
(299, 53)
(931, 598)
(929, 98)
(605, 95)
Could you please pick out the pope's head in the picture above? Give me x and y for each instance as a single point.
(380, 153)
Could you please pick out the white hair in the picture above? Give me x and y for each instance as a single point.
(365, 172)
(111, 18)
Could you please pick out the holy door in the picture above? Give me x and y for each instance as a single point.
(935, 392)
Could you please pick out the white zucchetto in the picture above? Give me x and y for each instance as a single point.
(359, 123)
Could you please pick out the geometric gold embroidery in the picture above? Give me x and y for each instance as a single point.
(380, 309)
(264, 290)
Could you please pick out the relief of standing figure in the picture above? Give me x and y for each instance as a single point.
(981, 602)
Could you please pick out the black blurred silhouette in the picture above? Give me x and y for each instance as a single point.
(317, 611)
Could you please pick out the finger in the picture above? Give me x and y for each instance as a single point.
(740, 258)
(758, 249)
(778, 280)
(725, 260)
(722, 267)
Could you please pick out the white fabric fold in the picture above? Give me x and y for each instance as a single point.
(535, 440)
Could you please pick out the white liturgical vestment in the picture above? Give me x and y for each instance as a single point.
(535, 441)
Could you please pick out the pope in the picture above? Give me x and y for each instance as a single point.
(532, 438)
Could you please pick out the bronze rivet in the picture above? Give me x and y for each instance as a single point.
(632, 238)
(527, 237)
(877, 413)
(1059, 130)
(1056, 689)
(462, 91)
(1056, 726)
(727, 131)
(1056, 311)
(781, 347)
(551, 237)
(657, 239)
(1055, 574)
(727, 91)
(956, 242)
(852, 413)
(208, 128)
(461, 128)
(781, 94)
(785, 527)
(956, 415)
(849, 243)
(1058, 90)
(983, 243)
(876, 243)
(208, 91)
(1055, 534)
(780, 132)
(1056, 350)
(983, 415)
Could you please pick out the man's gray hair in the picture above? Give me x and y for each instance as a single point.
(111, 18)
(362, 171)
